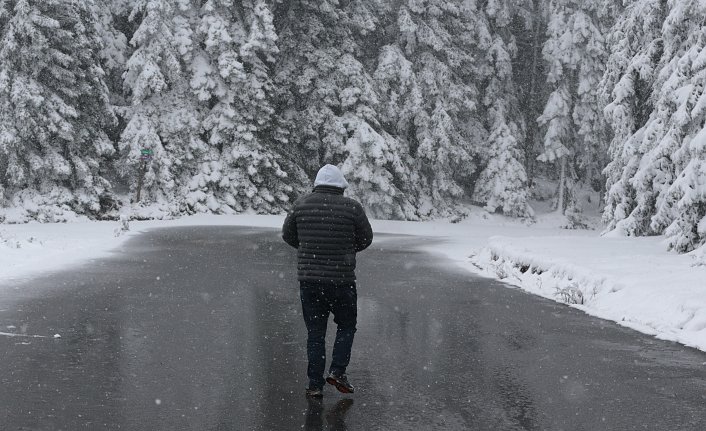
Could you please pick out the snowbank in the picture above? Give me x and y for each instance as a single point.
(632, 281)
(32, 248)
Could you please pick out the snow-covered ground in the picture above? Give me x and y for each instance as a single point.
(32, 248)
(633, 281)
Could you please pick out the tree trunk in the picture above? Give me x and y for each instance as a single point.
(533, 128)
(562, 184)
(601, 196)
(140, 179)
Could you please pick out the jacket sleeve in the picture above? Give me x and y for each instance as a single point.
(289, 229)
(363, 231)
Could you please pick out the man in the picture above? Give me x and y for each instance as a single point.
(328, 230)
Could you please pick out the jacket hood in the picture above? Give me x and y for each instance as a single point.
(330, 175)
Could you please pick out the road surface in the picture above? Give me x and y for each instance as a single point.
(200, 328)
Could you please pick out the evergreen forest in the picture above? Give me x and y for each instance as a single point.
(230, 106)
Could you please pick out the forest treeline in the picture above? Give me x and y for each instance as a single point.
(425, 104)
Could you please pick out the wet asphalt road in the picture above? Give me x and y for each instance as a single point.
(201, 329)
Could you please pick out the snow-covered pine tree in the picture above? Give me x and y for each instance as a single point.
(378, 160)
(439, 118)
(111, 20)
(681, 209)
(232, 78)
(636, 48)
(575, 52)
(556, 118)
(559, 135)
(528, 30)
(374, 167)
(54, 106)
(656, 80)
(669, 180)
(401, 100)
(4, 153)
(314, 38)
(114, 47)
(4, 15)
(328, 104)
(685, 199)
(503, 182)
(164, 116)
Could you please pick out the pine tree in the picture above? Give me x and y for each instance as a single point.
(528, 30)
(503, 182)
(627, 84)
(670, 173)
(114, 43)
(329, 104)
(232, 76)
(373, 168)
(558, 136)
(314, 39)
(54, 105)
(575, 52)
(4, 15)
(4, 153)
(655, 78)
(685, 199)
(163, 116)
(682, 211)
(401, 100)
(439, 119)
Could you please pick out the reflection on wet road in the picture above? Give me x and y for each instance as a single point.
(335, 415)
(201, 329)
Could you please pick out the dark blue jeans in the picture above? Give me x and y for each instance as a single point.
(317, 302)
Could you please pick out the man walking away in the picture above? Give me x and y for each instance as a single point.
(328, 230)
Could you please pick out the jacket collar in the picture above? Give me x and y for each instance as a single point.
(328, 189)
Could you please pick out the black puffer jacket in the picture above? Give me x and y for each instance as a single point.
(327, 229)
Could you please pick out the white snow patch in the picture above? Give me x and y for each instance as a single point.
(632, 281)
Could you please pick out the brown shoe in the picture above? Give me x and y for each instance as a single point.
(340, 382)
